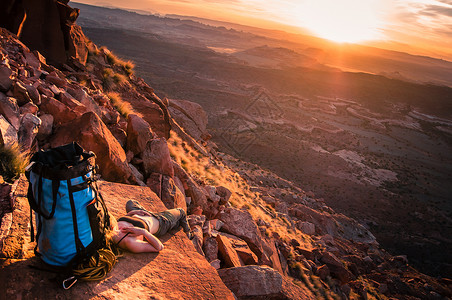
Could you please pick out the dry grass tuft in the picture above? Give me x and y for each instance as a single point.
(13, 162)
(123, 107)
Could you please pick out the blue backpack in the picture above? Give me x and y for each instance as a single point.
(71, 216)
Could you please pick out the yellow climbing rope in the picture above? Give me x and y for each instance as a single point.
(97, 267)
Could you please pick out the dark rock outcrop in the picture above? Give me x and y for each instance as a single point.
(47, 26)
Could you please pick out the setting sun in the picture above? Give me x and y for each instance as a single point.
(341, 21)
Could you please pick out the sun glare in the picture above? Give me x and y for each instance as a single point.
(341, 21)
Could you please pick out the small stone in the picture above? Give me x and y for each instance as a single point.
(8, 134)
(28, 130)
(10, 110)
(5, 78)
(28, 108)
(46, 127)
(21, 94)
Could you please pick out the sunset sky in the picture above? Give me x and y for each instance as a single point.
(424, 25)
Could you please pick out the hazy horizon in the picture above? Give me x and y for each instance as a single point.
(422, 27)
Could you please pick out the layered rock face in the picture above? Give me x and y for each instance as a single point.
(47, 26)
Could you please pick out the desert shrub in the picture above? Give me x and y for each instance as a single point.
(13, 162)
(128, 67)
(107, 79)
(123, 107)
(110, 79)
(113, 60)
(119, 79)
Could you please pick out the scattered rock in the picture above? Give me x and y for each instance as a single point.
(216, 224)
(20, 93)
(139, 132)
(46, 127)
(197, 239)
(241, 224)
(228, 253)
(191, 116)
(261, 282)
(33, 93)
(216, 264)
(156, 157)
(28, 108)
(306, 227)
(28, 130)
(8, 133)
(323, 272)
(224, 194)
(171, 196)
(138, 176)
(60, 112)
(210, 248)
(5, 78)
(10, 110)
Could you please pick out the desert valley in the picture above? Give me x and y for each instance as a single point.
(367, 130)
(177, 154)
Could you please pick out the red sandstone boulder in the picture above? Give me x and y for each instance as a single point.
(336, 267)
(60, 112)
(171, 196)
(227, 252)
(92, 134)
(82, 96)
(5, 78)
(20, 93)
(10, 110)
(28, 108)
(306, 227)
(243, 250)
(29, 125)
(272, 256)
(156, 157)
(47, 26)
(8, 134)
(46, 127)
(210, 247)
(241, 224)
(33, 93)
(32, 60)
(119, 134)
(224, 194)
(190, 116)
(323, 272)
(261, 282)
(139, 132)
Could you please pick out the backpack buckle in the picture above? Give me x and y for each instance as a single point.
(69, 282)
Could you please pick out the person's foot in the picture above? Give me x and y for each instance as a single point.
(134, 205)
(183, 221)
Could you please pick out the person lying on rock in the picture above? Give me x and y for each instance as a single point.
(137, 232)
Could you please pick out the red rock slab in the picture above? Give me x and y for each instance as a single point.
(228, 253)
(262, 282)
(177, 272)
